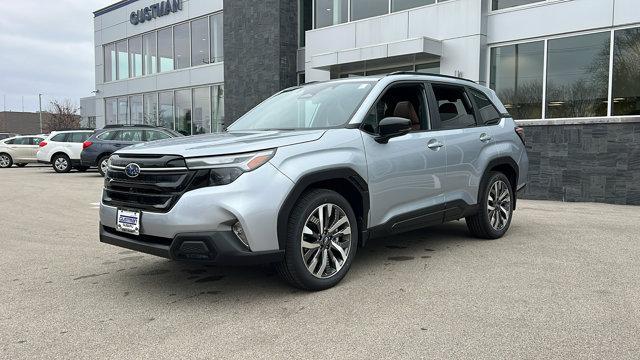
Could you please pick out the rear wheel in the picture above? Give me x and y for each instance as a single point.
(103, 164)
(61, 163)
(21, 165)
(5, 161)
(322, 240)
(494, 216)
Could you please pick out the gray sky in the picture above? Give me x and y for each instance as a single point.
(46, 47)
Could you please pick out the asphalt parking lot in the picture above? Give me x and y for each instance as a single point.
(563, 283)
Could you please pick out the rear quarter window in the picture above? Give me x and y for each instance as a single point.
(59, 137)
(488, 112)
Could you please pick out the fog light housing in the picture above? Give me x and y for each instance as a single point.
(239, 231)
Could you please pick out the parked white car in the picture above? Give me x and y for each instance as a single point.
(19, 150)
(62, 150)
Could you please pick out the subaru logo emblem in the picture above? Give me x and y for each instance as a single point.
(132, 170)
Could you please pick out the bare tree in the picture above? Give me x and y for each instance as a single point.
(62, 115)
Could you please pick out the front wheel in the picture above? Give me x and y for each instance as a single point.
(103, 164)
(322, 240)
(61, 163)
(5, 161)
(494, 215)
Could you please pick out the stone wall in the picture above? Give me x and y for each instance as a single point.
(584, 162)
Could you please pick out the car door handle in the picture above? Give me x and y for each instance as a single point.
(484, 137)
(435, 145)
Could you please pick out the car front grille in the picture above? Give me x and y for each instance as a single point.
(163, 179)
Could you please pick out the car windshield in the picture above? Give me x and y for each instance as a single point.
(312, 106)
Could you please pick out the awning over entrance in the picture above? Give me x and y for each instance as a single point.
(420, 46)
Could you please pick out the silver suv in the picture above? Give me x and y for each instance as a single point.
(312, 173)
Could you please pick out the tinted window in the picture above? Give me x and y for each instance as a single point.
(107, 135)
(129, 135)
(35, 140)
(78, 137)
(11, 141)
(59, 138)
(405, 101)
(454, 107)
(397, 5)
(181, 45)
(22, 141)
(331, 12)
(200, 42)
(503, 4)
(156, 135)
(488, 113)
(362, 9)
(626, 72)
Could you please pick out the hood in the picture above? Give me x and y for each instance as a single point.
(224, 143)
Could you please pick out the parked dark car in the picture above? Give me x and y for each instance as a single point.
(97, 149)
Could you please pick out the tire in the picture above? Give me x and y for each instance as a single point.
(488, 223)
(21, 165)
(61, 163)
(5, 161)
(102, 167)
(82, 168)
(325, 259)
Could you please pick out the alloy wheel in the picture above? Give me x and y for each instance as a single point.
(61, 163)
(4, 161)
(326, 241)
(104, 166)
(499, 205)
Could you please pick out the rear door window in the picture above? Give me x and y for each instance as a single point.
(107, 135)
(488, 113)
(454, 107)
(152, 135)
(23, 141)
(78, 137)
(129, 135)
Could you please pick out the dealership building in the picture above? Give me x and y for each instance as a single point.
(567, 70)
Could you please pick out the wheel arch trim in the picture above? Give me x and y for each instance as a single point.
(307, 181)
(503, 160)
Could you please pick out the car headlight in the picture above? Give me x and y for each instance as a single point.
(225, 169)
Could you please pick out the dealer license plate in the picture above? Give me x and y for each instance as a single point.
(128, 222)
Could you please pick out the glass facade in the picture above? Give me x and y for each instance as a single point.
(626, 72)
(517, 76)
(399, 5)
(503, 4)
(180, 46)
(578, 76)
(362, 9)
(331, 12)
(189, 111)
(579, 71)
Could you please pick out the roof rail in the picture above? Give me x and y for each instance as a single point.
(76, 129)
(429, 74)
(113, 126)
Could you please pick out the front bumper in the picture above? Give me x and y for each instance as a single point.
(220, 248)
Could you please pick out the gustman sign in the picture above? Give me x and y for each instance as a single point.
(156, 10)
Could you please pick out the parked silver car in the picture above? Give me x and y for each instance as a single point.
(311, 174)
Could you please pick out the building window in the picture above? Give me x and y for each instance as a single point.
(201, 110)
(217, 25)
(183, 111)
(578, 76)
(626, 72)
(517, 76)
(398, 5)
(217, 108)
(111, 111)
(165, 50)
(362, 9)
(123, 111)
(122, 59)
(135, 55)
(149, 53)
(331, 12)
(165, 113)
(181, 45)
(150, 115)
(200, 42)
(305, 20)
(503, 4)
(136, 111)
(428, 68)
(110, 62)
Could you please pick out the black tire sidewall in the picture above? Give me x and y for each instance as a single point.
(292, 252)
(486, 222)
(67, 169)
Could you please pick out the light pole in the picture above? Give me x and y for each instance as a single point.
(40, 112)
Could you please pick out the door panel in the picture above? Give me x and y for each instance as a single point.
(405, 176)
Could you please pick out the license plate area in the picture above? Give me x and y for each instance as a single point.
(128, 221)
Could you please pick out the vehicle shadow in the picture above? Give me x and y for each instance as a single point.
(173, 282)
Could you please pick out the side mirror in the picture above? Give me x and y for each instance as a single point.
(391, 127)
